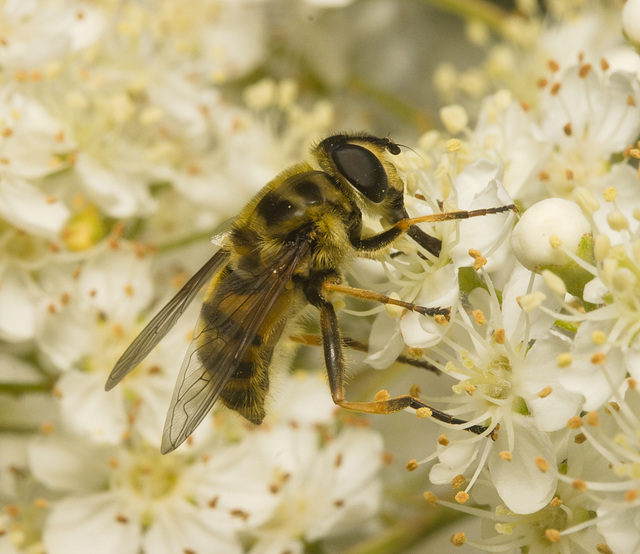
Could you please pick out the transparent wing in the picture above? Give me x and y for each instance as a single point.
(220, 344)
(164, 321)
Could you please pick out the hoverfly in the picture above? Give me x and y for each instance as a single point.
(283, 252)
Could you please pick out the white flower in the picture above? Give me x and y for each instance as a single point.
(113, 284)
(134, 498)
(507, 133)
(33, 145)
(434, 284)
(323, 490)
(500, 381)
(587, 115)
(37, 35)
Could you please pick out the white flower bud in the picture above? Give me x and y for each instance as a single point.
(545, 230)
(631, 20)
(454, 117)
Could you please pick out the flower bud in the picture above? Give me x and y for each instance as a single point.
(546, 230)
(631, 21)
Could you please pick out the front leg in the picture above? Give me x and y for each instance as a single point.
(385, 238)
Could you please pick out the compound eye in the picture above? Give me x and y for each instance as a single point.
(362, 169)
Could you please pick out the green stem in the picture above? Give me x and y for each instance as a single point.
(405, 111)
(484, 11)
(407, 533)
(18, 429)
(184, 241)
(26, 388)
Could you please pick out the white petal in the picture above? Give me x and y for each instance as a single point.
(595, 291)
(89, 410)
(93, 524)
(385, 342)
(17, 306)
(181, 527)
(63, 335)
(24, 206)
(591, 380)
(118, 193)
(620, 528)
(516, 322)
(454, 460)
(63, 462)
(522, 486)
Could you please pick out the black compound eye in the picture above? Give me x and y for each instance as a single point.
(362, 169)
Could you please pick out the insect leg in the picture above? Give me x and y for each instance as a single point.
(329, 286)
(310, 339)
(383, 239)
(334, 361)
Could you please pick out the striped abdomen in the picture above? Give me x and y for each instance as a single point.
(231, 341)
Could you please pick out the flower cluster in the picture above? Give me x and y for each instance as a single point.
(129, 131)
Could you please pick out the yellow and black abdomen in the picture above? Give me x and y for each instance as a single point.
(231, 341)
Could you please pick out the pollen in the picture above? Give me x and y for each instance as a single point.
(564, 360)
(631, 495)
(443, 440)
(479, 262)
(239, 513)
(430, 497)
(555, 242)
(584, 70)
(453, 145)
(599, 358)
(545, 392)
(479, 317)
(506, 455)
(424, 412)
(542, 464)
(458, 539)
(574, 422)
(415, 390)
(499, 336)
(381, 396)
(580, 485)
(458, 481)
(555, 502)
(610, 194)
(553, 535)
(441, 319)
(462, 497)
(599, 337)
(411, 465)
(592, 419)
(568, 129)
